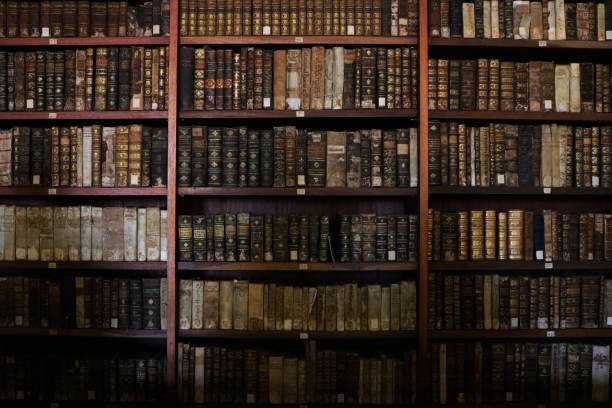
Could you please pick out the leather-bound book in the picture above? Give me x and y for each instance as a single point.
(279, 157)
(483, 84)
(98, 19)
(159, 158)
(521, 87)
(467, 98)
(36, 159)
(101, 78)
(511, 137)
(587, 91)
(494, 85)
(123, 78)
(69, 85)
(336, 159)
(439, 84)
(230, 157)
(404, 159)
(199, 140)
(146, 156)
(189, 96)
(230, 242)
(58, 92)
(30, 80)
(316, 159)
(253, 159)
(290, 156)
(294, 85)
(215, 136)
(366, 156)
(257, 78)
(507, 86)
(434, 152)
(199, 237)
(227, 79)
(137, 79)
(454, 84)
(148, 79)
(120, 158)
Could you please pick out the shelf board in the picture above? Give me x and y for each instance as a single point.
(518, 191)
(519, 334)
(518, 265)
(293, 191)
(89, 115)
(296, 335)
(503, 43)
(286, 114)
(85, 191)
(296, 266)
(114, 333)
(82, 265)
(295, 40)
(83, 41)
(499, 115)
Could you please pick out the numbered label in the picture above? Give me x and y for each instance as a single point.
(303, 267)
(299, 40)
(52, 115)
(52, 265)
(303, 336)
(547, 190)
(299, 114)
(548, 265)
(52, 41)
(542, 43)
(550, 333)
(52, 191)
(301, 191)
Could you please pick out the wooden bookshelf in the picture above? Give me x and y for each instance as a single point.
(297, 335)
(298, 40)
(107, 333)
(292, 191)
(519, 191)
(503, 43)
(82, 265)
(296, 266)
(89, 115)
(519, 334)
(520, 116)
(85, 191)
(83, 41)
(520, 266)
(288, 114)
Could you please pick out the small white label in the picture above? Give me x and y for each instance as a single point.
(299, 40)
(52, 191)
(609, 320)
(301, 179)
(30, 103)
(52, 265)
(134, 179)
(267, 103)
(114, 323)
(548, 265)
(595, 181)
(301, 191)
(267, 30)
(293, 255)
(303, 336)
(136, 102)
(52, 115)
(547, 190)
(154, 105)
(350, 30)
(391, 255)
(156, 29)
(542, 44)
(501, 179)
(609, 35)
(91, 395)
(382, 101)
(303, 267)
(548, 104)
(522, 31)
(550, 333)
(539, 255)
(52, 41)
(36, 179)
(299, 114)
(45, 32)
(514, 322)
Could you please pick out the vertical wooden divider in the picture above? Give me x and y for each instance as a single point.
(171, 201)
(422, 327)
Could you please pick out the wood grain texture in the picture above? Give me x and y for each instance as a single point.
(514, 116)
(519, 334)
(82, 265)
(295, 266)
(477, 42)
(291, 40)
(117, 333)
(518, 191)
(89, 116)
(84, 192)
(83, 42)
(286, 114)
(520, 266)
(290, 192)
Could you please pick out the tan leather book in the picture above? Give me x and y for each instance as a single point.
(536, 25)
(562, 132)
(297, 319)
(385, 308)
(317, 78)
(211, 304)
(340, 308)
(241, 305)
(515, 235)
(290, 387)
(226, 303)
(130, 234)
(311, 310)
(562, 88)
(32, 233)
(486, 296)
(469, 23)
(521, 19)
(555, 153)
(85, 232)
(601, 23)
(535, 86)
(351, 310)
(306, 67)
(153, 233)
(60, 242)
(46, 233)
(255, 310)
(502, 235)
(198, 377)
(141, 234)
(197, 304)
(134, 155)
(374, 299)
(269, 306)
(336, 159)
(329, 76)
(287, 302)
(495, 19)
(495, 302)
(185, 303)
(275, 376)
(112, 238)
(337, 77)
(574, 87)
(551, 20)
(280, 79)
(395, 307)
(330, 308)
(108, 156)
(121, 157)
(294, 79)
(560, 20)
(97, 234)
(163, 235)
(486, 12)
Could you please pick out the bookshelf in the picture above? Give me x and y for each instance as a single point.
(257, 199)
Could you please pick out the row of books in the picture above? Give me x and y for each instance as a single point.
(88, 18)
(514, 235)
(89, 156)
(534, 86)
(501, 154)
(234, 375)
(290, 157)
(298, 79)
(478, 372)
(521, 20)
(244, 237)
(92, 79)
(503, 302)
(284, 17)
(81, 377)
(244, 305)
(85, 233)
(83, 302)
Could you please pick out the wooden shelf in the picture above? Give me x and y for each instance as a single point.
(519, 334)
(82, 265)
(292, 191)
(297, 40)
(296, 266)
(524, 404)
(110, 333)
(511, 116)
(85, 191)
(518, 266)
(83, 41)
(519, 191)
(296, 335)
(503, 43)
(286, 114)
(89, 115)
